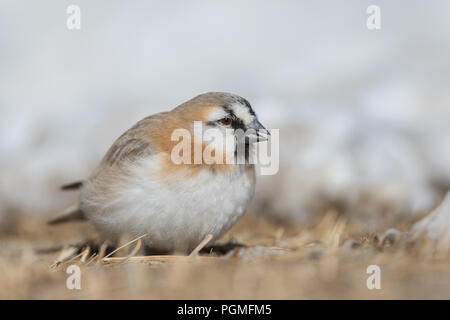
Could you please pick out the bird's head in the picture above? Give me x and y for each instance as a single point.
(227, 113)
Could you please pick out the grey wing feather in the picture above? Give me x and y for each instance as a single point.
(128, 150)
(133, 144)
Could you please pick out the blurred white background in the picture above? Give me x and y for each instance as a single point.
(364, 115)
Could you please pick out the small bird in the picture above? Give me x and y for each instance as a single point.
(138, 189)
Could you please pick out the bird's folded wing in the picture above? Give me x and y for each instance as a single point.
(127, 151)
(134, 143)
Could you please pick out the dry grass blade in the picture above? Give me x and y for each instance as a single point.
(85, 254)
(125, 245)
(66, 254)
(102, 251)
(201, 245)
(135, 250)
(92, 259)
(159, 258)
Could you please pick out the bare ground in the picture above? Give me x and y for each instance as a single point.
(327, 260)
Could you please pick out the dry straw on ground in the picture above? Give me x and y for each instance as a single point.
(325, 260)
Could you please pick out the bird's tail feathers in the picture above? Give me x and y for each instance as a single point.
(72, 186)
(72, 213)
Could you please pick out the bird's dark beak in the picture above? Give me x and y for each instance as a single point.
(257, 132)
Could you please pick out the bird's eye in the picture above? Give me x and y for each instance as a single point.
(225, 121)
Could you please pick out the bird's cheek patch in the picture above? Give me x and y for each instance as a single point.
(216, 114)
(242, 113)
